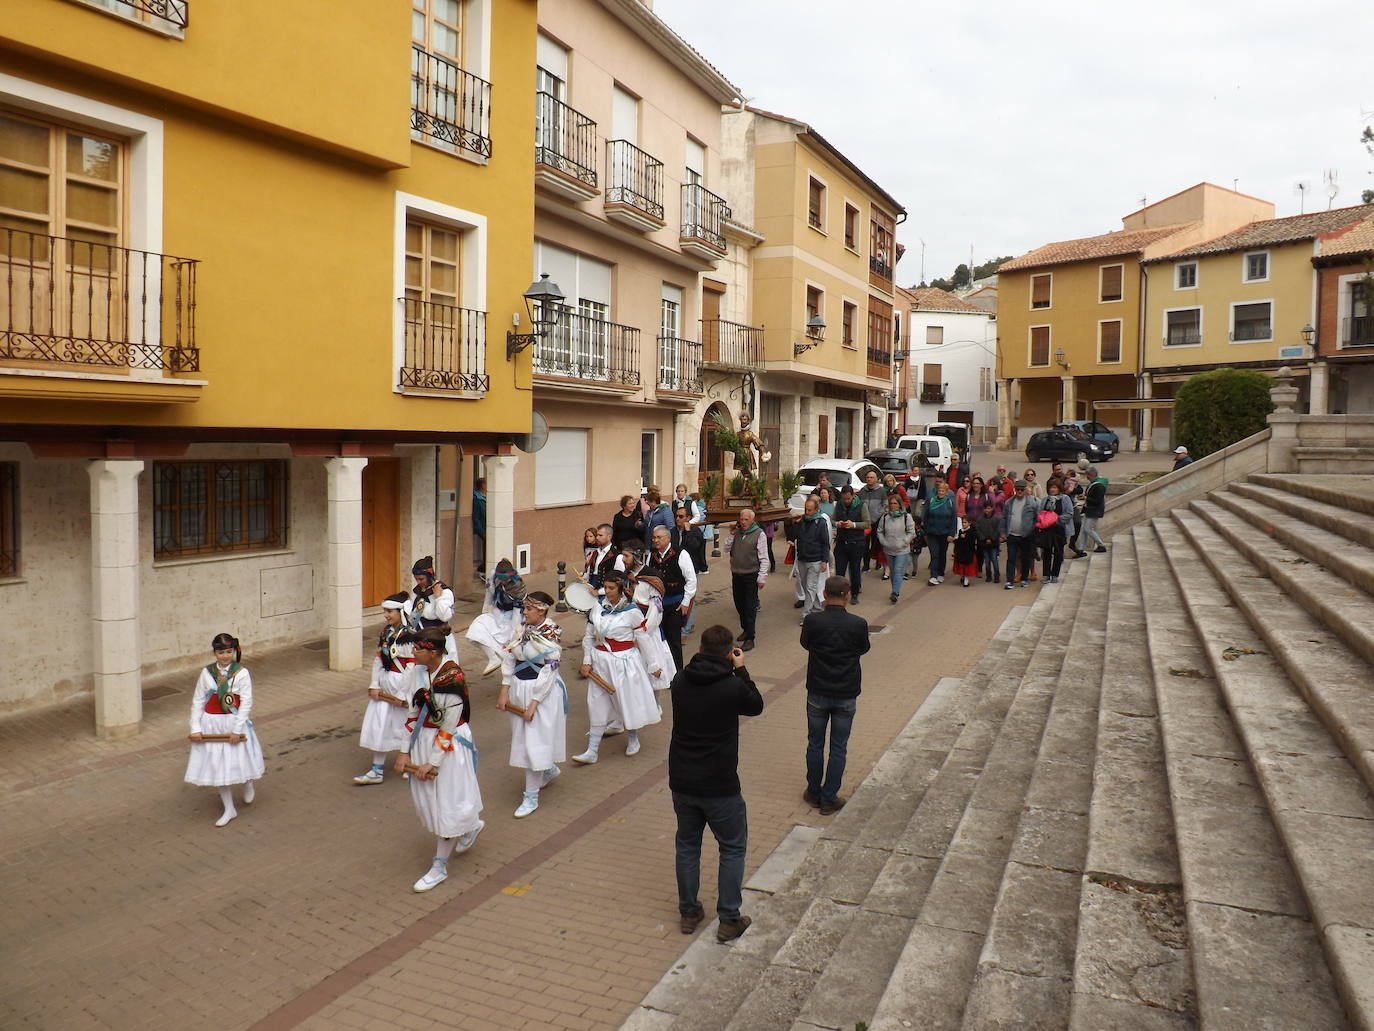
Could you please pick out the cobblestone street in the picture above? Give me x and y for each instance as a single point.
(127, 908)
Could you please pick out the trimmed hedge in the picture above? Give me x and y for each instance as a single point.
(1215, 409)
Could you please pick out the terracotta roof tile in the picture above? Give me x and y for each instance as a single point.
(1275, 231)
(930, 298)
(1355, 239)
(1108, 245)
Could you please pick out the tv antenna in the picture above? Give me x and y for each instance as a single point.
(1332, 186)
(1300, 188)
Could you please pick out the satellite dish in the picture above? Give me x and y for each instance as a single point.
(537, 437)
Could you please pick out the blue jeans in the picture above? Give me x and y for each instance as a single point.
(849, 556)
(939, 551)
(823, 779)
(897, 563)
(990, 566)
(729, 823)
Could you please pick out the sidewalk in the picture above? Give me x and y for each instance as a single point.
(136, 912)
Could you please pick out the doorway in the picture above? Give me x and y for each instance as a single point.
(381, 529)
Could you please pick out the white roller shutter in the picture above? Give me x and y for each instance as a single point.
(560, 468)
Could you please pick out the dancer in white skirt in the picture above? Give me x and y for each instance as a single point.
(651, 628)
(444, 785)
(384, 720)
(221, 707)
(530, 679)
(501, 616)
(616, 650)
(432, 605)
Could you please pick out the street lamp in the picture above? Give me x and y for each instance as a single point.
(542, 300)
(1307, 334)
(1059, 358)
(815, 334)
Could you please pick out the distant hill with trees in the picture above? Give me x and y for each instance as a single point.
(962, 277)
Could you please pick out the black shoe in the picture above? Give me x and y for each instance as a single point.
(747, 645)
(892, 598)
(833, 807)
(798, 604)
(742, 636)
(1101, 549)
(811, 799)
(729, 930)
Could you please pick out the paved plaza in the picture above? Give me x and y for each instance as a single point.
(127, 908)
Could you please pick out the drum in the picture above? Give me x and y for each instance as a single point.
(580, 597)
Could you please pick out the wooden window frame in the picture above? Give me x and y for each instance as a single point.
(819, 308)
(276, 504)
(1030, 347)
(1120, 330)
(1245, 276)
(426, 8)
(428, 261)
(10, 538)
(1049, 291)
(1178, 275)
(851, 227)
(850, 313)
(815, 213)
(1102, 297)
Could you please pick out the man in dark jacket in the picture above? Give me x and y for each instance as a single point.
(851, 538)
(811, 534)
(1094, 508)
(834, 639)
(709, 696)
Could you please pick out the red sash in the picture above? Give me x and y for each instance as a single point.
(615, 646)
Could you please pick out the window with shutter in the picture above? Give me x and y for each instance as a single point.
(1111, 282)
(1040, 346)
(815, 205)
(823, 435)
(935, 335)
(1040, 291)
(1109, 342)
(1252, 321)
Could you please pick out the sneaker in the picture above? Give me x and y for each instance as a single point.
(729, 930)
(633, 746)
(528, 804)
(833, 807)
(933, 581)
(963, 581)
(467, 840)
(373, 776)
(811, 798)
(885, 574)
(689, 922)
(939, 579)
(892, 598)
(438, 873)
(1023, 583)
(1011, 585)
(587, 758)
(551, 775)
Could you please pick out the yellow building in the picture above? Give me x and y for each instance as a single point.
(1241, 299)
(1069, 312)
(828, 254)
(249, 266)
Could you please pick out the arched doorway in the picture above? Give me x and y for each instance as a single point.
(712, 458)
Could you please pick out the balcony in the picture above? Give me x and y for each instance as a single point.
(1357, 331)
(76, 305)
(703, 222)
(679, 365)
(879, 362)
(591, 350)
(878, 268)
(564, 149)
(448, 106)
(731, 345)
(932, 395)
(445, 348)
(168, 16)
(634, 187)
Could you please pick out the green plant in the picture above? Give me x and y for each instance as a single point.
(789, 482)
(758, 487)
(1215, 409)
(710, 487)
(737, 485)
(728, 440)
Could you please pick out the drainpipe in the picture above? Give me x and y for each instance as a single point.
(1140, 351)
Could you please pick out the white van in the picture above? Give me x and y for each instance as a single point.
(938, 450)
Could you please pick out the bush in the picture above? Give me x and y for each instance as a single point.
(1215, 409)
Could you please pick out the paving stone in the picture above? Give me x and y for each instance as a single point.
(1034, 925)
(1133, 947)
(1066, 786)
(784, 861)
(1211, 780)
(1331, 855)
(1070, 734)
(1233, 856)
(1002, 1000)
(901, 886)
(1318, 782)
(962, 895)
(854, 874)
(930, 982)
(985, 832)
(811, 944)
(1134, 841)
(1005, 779)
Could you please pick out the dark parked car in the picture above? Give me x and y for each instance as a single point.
(1104, 435)
(907, 464)
(1068, 445)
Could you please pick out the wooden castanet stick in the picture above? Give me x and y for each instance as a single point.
(517, 709)
(412, 768)
(217, 737)
(391, 699)
(600, 683)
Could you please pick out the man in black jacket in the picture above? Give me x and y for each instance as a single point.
(834, 639)
(851, 538)
(709, 696)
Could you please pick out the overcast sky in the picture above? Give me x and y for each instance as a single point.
(1005, 125)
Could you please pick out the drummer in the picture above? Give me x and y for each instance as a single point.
(615, 650)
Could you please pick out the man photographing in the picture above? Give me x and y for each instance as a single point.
(709, 696)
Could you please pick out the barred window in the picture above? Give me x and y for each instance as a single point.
(202, 508)
(9, 519)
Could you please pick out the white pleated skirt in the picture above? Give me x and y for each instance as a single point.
(384, 727)
(494, 630)
(542, 741)
(451, 803)
(633, 702)
(659, 647)
(215, 764)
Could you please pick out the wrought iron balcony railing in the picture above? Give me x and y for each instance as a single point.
(704, 215)
(879, 267)
(171, 11)
(1357, 331)
(731, 344)
(446, 347)
(877, 356)
(74, 302)
(932, 395)
(679, 365)
(1182, 336)
(449, 105)
(588, 348)
(564, 138)
(634, 178)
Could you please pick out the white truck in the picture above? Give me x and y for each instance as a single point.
(938, 450)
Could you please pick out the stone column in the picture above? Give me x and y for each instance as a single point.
(1147, 415)
(344, 562)
(682, 436)
(806, 431)
(1068, 408)
(1283, 423)
(1004, 388)
(116, 632)
(500, 508)
(1318, 388)
(789, 434)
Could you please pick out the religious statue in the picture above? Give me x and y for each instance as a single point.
(751, 447)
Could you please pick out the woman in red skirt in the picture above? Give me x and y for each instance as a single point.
(965, 552)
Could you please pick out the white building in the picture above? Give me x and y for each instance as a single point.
(951, 355)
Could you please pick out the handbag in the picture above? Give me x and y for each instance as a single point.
(1047, 518)
(791, 555)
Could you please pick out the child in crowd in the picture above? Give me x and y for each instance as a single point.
(989, 530)
(224, 749)
(966, 552)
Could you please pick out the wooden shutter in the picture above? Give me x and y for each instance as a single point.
(823, 435)
(1040, 291)
(1040, 345)
(1109, 349)
(1111, 282)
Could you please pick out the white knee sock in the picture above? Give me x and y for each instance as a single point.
(444, 848)
(534, 780)
(594, 739)
(379, 759)
(226, 795)
(248, 792)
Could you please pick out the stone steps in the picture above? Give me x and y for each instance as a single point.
(1132, 964)
(931, 980)
(1319, 803)
(1279, 594)
(1355, 494)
